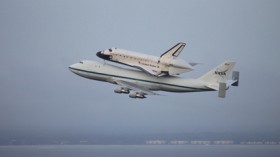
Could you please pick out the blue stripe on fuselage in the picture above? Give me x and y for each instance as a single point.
(136, 79)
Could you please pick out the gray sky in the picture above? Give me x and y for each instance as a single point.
(40, 39)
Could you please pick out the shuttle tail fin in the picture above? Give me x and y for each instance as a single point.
(174, 51)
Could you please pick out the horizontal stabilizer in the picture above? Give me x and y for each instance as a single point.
(235, 77)
(213, 86)
(222, 89)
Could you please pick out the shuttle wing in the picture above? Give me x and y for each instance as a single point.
(145, 68)
(135, 87)
(148, 70)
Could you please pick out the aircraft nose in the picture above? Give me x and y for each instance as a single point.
(73, 67)
(102, 55)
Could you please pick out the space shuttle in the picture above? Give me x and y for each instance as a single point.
(166, 64)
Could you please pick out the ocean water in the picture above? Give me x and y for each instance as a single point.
(141, 150)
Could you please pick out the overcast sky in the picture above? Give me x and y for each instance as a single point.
(40, 39)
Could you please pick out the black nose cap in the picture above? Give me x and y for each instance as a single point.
(100, 55)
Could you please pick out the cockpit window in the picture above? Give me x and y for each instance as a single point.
(81, 62)
(110, 50)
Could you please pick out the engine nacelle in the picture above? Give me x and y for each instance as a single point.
(136, 95)
(121, 90)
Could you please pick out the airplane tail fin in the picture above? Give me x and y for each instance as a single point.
(217, 78)
(174, 51)
(218, 74)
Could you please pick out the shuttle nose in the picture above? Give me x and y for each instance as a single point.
(100, 54)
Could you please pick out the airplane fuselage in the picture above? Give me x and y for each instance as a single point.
(109, 73)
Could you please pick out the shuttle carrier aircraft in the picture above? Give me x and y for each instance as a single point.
(138, 84)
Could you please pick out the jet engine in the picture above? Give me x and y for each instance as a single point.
(136, 95)
(121, 90)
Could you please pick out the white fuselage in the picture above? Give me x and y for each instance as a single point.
(151, 64)
(109, 73)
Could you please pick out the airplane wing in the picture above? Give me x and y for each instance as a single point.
(132, 86)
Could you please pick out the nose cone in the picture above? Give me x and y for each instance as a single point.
(73, 68)
(100, 54)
